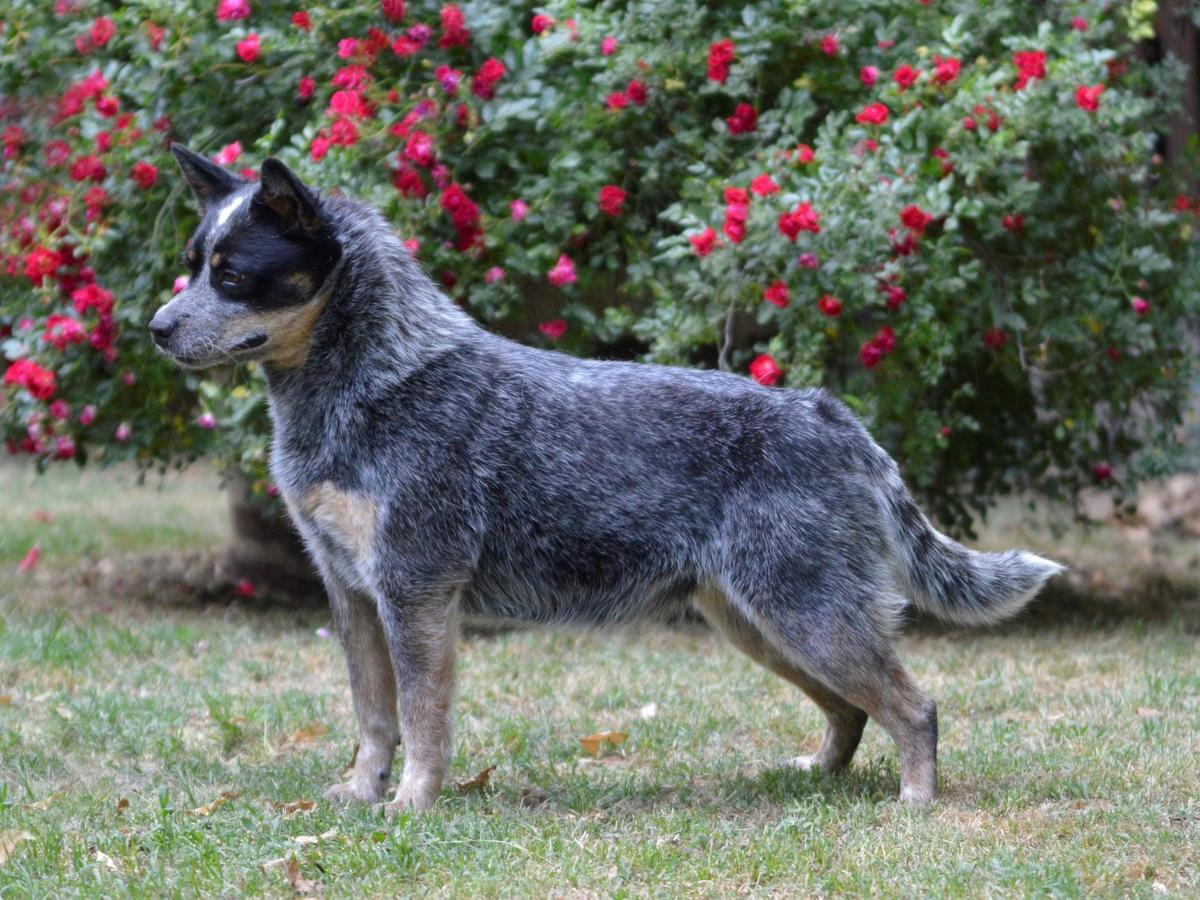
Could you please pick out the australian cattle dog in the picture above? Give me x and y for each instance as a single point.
(437, 471)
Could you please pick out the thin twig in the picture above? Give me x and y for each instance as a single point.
(727, 344)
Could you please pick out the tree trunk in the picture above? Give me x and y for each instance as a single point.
(1177, 37)
(266, 550)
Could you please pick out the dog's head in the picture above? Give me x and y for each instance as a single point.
(261, 266)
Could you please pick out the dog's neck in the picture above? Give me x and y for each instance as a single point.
(384, 320)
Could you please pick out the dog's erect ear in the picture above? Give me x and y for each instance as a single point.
(208, 181)
(287, 196)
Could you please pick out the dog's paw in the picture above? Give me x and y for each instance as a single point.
(804, 763)
(408, 800)
(356, 792)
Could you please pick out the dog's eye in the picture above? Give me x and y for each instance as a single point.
(232, 278)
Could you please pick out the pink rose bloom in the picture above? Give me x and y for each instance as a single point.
(123, 433)
(494, 274)
(520, 209)
(869, 75)
(207, 420)
(608, 46)
(231, 10)
(88, 415)
(563, 272)
(229, 154)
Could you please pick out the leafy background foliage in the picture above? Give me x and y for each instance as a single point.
(1022, 358)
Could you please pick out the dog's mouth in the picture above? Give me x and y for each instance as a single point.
(252, 342)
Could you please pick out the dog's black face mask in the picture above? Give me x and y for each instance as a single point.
(261, 265)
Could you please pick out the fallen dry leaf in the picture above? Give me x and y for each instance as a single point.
(593, 742)
(209, 808)
(307, 839)
(9, 841)
(44, 804)
(277, 863)
(301, 885)
(123, 804)
(105, 860)
(293, 809)
(478, 783)
(42, 515)
(307, 736)
(6, 700)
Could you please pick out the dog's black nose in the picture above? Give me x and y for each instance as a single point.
(162, 329)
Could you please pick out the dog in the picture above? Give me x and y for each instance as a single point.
(437, 471)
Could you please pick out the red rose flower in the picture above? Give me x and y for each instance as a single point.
(145, 174)
(1089, 97)
(873, 114)
(915, 219)
(946, 71)
(42, 261)
(92, 296)
(870, 354)
(541, 24)
(419, 149)
(764, 185)
(1030, 64)
(617, 100)
(302, 20)
(1014, 223)
(636, 91)
(554, 329)
(830, 306)
(306, 87)
(63, 330)
(743, 120)
(393, 10)
(1102, 471)
(896, 295)
(103, 30)
(1140, 305)
(868, 75)
(802, 218)
(454, 34)
(720, 58)
(778, 294)
(704, 242)
(995, 338)
(249, 48)
(906, 76)
(765, 370)
(829, 45)
(40, 383)
(608, 46)
(486, 79)
(612, 198)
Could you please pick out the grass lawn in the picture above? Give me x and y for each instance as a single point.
(151, 744)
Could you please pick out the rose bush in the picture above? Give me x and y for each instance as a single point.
(952, 216)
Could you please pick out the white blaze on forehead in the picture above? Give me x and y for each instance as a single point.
(229, 209)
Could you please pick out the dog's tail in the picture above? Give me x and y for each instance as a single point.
(944, 578)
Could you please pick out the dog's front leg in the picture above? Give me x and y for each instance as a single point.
(372, 690)
(422, 635)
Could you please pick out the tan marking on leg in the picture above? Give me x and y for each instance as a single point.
(351, 519)
(373, 693)
(425, 669)
(844, 722)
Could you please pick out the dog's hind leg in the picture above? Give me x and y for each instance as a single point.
(422, 631)
(372, 690)
(844, 721)
(841, 644)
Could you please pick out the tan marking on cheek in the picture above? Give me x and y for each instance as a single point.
(351, 519)
(302, 282)
(289, 329)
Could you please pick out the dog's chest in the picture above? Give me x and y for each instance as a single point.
(341, 526)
